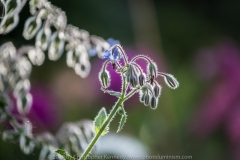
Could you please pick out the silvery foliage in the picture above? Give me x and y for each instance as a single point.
(16, 67)
(80, 46)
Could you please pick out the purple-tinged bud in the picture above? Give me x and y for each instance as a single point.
(147, 87)
(104, 78)
(170, 80)
(142, 96)
(147, 100)
(132, 70)
(133, 82)
(141, 79)
(153, 103)
(157, 90)
(152, 70)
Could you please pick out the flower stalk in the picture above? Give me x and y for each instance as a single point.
(113, 112)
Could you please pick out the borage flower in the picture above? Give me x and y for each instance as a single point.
(114, 54)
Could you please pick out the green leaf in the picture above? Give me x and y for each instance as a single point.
(112, 93)
(99, 121)
(123, 118)
(65, 155)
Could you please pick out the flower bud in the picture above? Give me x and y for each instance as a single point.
(132, 70)
(141, 79)
(31, 27)
(170, 80)
(157, 90)
(147, 100)
(142, 97)
(56, 46)
(133, 82)
(152, 69)
(153, 103)
(104, 78)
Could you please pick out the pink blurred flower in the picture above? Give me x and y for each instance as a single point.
(221, 106)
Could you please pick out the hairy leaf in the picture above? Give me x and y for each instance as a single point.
(99, 121)
(64, 154)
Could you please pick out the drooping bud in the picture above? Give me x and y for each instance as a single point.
(132, 70)
(104, 78)
(133, 82)
(153, 103)
(170, 80)
(142, 97)
(31, 27)
(147, 100)
(141, 79)
(147, 87)
(157, 90)
(57, 46)
(132, 76)
(152, 71)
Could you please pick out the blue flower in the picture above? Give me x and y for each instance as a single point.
(113, 57)
(93, 51)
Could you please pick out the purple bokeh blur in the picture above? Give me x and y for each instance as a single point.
(220, 108)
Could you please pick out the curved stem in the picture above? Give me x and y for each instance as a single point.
(105, 64)
(142, 57)
(140, 70)
(122, 52)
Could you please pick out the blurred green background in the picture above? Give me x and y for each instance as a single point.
(192, 40)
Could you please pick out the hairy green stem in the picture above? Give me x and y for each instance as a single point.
(107, 122)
